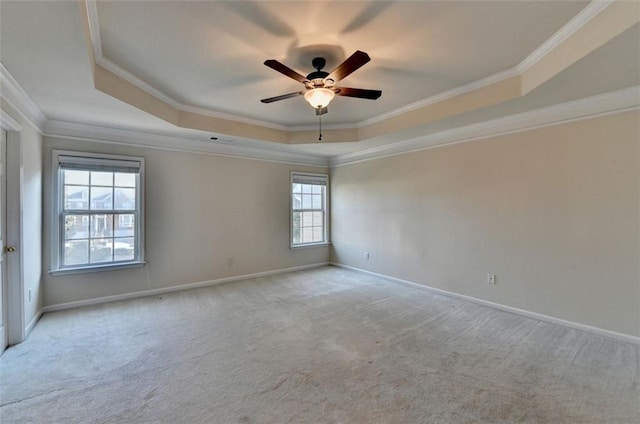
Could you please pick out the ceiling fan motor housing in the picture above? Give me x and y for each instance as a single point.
(318, 63)
(317, 77)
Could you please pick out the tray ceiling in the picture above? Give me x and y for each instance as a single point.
(105, 63)
(210, 54)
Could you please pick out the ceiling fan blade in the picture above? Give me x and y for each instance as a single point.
(360, 93)
(352, 63)
(283, 97)
(283, 69)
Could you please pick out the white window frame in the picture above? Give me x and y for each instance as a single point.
(98, 160)
(310, 178)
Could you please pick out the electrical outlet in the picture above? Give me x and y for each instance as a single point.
(365, 256)
(491, 278)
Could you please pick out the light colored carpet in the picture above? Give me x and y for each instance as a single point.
(320, 346)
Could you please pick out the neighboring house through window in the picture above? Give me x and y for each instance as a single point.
(98, 220)
(308, 209)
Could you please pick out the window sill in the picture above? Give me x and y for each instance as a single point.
(304, 246)
(96, 268)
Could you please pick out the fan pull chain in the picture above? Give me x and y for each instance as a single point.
(320, 128)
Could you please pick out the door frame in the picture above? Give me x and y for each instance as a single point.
(4, 336)
(13, 263)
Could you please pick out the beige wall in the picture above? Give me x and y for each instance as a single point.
(554, 212)
(200, 210)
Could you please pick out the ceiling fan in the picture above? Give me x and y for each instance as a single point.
(320, 86)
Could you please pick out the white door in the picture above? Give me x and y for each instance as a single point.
(3, 215)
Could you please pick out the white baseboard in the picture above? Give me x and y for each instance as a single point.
(155, 292)
(32, 323)
(541, 317)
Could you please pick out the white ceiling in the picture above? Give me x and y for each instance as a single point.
(210, 55)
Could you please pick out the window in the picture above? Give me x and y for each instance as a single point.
(308, 209)
(98, 220)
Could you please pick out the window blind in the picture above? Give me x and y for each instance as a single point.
(95, 164)
(309, 179)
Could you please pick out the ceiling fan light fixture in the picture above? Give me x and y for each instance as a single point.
(319, 97)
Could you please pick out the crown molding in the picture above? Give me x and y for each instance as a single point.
(314, 127)
(101, 60)
(12, 93)
(160, 95)
(138, 82)
(232, 117)
(8, 123)
(94, 27)
(590, 107)
(581, 19)
(92, 133)
(445, 95)
(577, 22)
